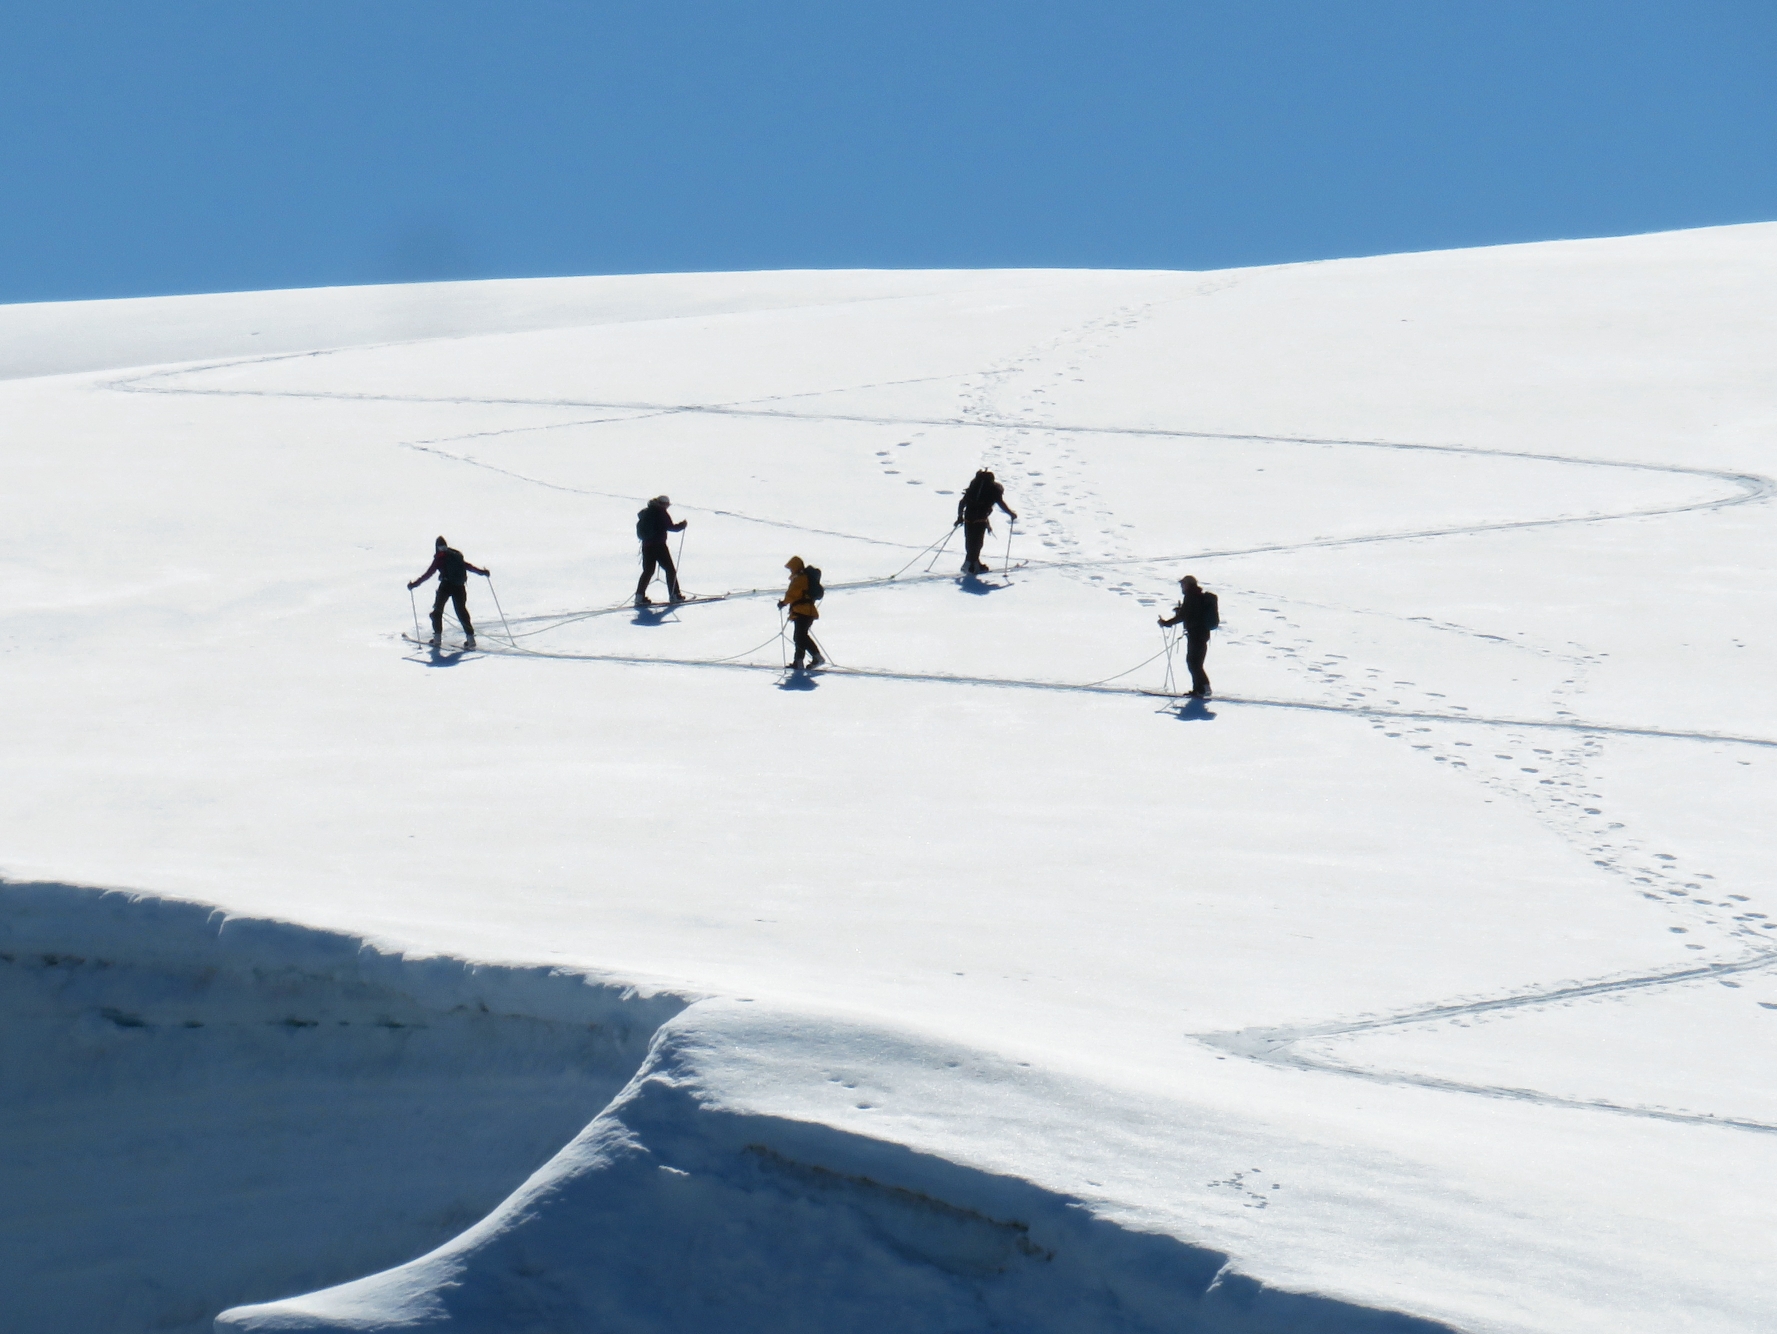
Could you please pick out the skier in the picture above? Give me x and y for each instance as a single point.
(652, 526)
(973, 512)
(803, 613)
(1199, 613)
(453, 586)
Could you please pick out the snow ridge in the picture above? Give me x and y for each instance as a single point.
(671, 1210)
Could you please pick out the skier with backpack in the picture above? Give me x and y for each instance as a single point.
(974, 511)
(1199, 613)
(453, 586)
(652, 525)
(800, 597)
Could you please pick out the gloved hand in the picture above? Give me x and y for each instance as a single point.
(782, 603)
(411, 586)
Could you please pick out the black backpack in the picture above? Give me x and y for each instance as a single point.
(1212, 612)
(812, 573)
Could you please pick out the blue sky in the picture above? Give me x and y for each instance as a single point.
(181, 147)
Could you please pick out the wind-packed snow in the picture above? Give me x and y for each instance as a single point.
(1423, 978)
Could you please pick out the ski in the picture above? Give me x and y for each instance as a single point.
(458, 647)
(682, 602)
(571, 617)
(1005, 569)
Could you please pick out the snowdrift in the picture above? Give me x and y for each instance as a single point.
(609, 976)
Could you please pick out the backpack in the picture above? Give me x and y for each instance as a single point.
(978, 499)
(643, 524)
(813, 574)
(1212, 612)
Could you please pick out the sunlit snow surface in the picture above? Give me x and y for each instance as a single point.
(1423, 977)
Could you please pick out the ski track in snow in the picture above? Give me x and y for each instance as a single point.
(1054, 476)
(1276, 1044)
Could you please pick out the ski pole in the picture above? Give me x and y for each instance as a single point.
(416, 615)
(1006, 564)
(497, 607)
(783, 649)
(947, 536)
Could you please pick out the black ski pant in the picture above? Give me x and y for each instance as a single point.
(804, 640)
(1196, 650)
(656, 554)
(974, 534)
(458, 594)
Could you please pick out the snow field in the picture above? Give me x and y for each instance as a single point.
(1405, 976)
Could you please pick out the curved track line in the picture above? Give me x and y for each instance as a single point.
(1750, 487)
(426, 447)
(1067, 687)
(1276, 1045)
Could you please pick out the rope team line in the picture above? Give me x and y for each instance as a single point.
(1138, 666)
(941, 543)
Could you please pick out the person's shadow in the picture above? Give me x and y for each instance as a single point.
(973, 583)
(439, 656)
(1194, 710)
(799, 681)
(653, 615)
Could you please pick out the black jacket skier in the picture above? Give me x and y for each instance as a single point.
(652, 526)
(453, 586)
(974, 511)
(1199, 613)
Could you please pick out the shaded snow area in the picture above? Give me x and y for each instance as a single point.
(213, 1107)
(609, 977)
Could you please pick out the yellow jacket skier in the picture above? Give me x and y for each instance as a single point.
(803, 612)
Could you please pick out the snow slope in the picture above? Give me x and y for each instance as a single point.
(1423, 978)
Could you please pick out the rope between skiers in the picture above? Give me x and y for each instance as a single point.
(1138, 666)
